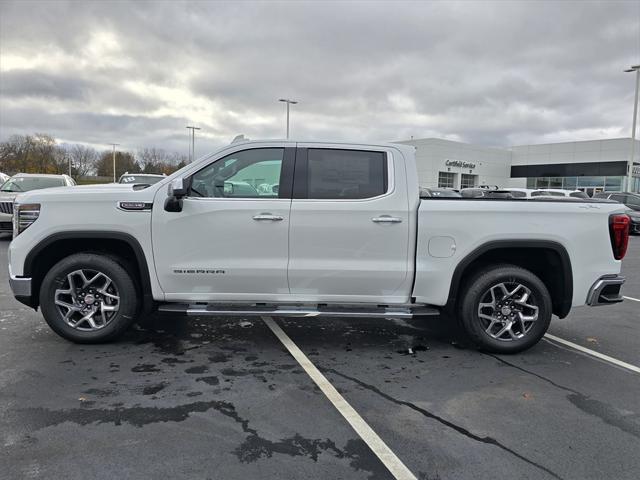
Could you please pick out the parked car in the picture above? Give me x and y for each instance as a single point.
(438, 193)
(25, 182)
(549, 193)
(3, 177)
(558, 192)
(519, 192)
(631, 200)
(482, 192)
(634, 216)
(347, 235)
(140, 178)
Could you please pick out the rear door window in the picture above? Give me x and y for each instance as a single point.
(336, 174)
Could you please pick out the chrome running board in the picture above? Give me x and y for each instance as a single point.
(382, 311)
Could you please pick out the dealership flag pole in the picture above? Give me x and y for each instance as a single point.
(634, 68)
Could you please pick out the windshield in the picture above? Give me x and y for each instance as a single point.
(24, 184)
(140, 179)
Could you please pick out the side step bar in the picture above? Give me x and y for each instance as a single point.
(208, 309)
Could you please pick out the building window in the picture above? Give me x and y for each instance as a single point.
(468, 181)
(446, 179)
(542, 182)
(555, 182)
(531, 182)
(613, 184)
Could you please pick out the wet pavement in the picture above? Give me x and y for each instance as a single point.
(223, 399)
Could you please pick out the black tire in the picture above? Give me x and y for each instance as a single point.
(478, 289)
(122, 281)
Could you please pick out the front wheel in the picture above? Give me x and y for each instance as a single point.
(505, 309)
(88, 298)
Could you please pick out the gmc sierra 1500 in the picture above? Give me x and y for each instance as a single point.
(306, 229)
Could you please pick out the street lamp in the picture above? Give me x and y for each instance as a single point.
(288, 102)
(633, 68)
(114, 160)
(192, 151)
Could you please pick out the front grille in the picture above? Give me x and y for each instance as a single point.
(6, 227)
(6, 207)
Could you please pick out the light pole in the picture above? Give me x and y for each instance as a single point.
(633, 68)
(192, 147)
(288, 102)
(114, 160)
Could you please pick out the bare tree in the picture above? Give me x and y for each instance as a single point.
(156, 160)
(83, 160)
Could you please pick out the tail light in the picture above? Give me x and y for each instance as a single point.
(619, 233)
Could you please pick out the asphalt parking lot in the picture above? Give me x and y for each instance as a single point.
(223, 399)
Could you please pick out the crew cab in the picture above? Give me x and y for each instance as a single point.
(325, 229)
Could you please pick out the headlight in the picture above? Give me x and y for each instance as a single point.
(23, 216)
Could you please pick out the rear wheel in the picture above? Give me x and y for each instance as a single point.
(88, 298)
(505, 309)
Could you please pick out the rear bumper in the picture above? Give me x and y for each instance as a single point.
(606, 291)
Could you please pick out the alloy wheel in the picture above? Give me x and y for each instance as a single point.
(88, 300)
(507, 311)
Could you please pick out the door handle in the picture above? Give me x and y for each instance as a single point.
(386, 219)
(268, 216)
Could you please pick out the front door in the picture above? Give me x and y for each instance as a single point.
(350, 226)
(230, 241)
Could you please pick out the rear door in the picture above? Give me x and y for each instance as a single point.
(349, 225)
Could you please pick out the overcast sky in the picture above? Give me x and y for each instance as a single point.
(137, 73)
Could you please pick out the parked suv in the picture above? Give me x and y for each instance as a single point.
(631, 200)
(25, 182)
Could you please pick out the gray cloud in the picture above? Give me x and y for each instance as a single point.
(496, 73)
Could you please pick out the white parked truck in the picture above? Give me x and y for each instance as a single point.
(289, 228)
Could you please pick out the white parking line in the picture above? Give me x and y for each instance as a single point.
(631, 298)
(593, 353)
(366, 433)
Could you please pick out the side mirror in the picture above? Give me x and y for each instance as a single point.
(177, 188)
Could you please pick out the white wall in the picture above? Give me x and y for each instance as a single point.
(492, 165)
(609, 150)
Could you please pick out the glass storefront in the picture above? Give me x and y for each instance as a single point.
(583, 183)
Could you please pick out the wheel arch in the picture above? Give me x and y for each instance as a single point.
(533, 255)
(53, 248)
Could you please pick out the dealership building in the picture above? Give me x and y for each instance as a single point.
(590, 166)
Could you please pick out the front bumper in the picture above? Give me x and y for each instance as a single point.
(606, 291)
(21, 288)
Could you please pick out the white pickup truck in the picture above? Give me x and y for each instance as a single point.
(304, 229)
